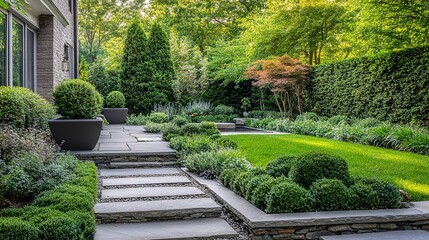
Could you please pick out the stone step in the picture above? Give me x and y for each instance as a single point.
(110, 182)
(139, 164)
(150, 192)
(393, 235)
(105, 157)
(208, 228)
(138, 172)
(149, 211)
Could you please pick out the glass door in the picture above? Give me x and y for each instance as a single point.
(30, 60)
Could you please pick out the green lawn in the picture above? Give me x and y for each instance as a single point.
(407, 170)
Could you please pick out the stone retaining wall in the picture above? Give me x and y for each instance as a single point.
(313, 225)
(314, 232)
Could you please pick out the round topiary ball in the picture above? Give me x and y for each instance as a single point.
(115, 99)
(281, 166)
(388, 195)
(287, 197)
(330, 195)
(23, 108)
(310, 167)
(77, 99)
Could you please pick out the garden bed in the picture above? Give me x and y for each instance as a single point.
(312, 225)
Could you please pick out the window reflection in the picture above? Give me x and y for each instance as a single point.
(3, 31)
(17, 54)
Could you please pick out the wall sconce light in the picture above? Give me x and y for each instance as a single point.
(65, 65)
(65, 62)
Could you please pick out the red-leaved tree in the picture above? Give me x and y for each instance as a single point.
(283, 75)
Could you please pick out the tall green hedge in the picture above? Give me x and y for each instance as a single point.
(392, 86)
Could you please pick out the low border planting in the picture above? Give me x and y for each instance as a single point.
(65, 212)
(367, 131)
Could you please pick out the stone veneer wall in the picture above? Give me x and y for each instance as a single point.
(51, 38)
(316, 231)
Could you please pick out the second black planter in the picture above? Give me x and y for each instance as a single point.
(76, 134)
(115, 115)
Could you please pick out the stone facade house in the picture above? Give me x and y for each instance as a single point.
(38, 45)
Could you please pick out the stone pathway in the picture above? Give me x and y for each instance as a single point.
(143, 195)
(156, 203)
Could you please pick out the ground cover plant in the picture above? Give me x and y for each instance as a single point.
(43, 195)
(403, 169)
(369, 131)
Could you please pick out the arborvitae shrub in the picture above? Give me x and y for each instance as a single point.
(287, 197)
(281, 166)
(137, 71)
(315, 165)
(330, 195)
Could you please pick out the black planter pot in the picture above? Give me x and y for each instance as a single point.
(115, 115)
(76, 134)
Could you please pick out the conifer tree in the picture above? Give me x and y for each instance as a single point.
(137, 71)
(159, 48)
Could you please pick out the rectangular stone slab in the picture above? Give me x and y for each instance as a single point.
(144, 180)
(158, 207)
(394, 235)
(210, 228)
(150, 192)
(137, 171)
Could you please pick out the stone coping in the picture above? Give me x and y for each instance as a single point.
(255, 218)
(123, 153)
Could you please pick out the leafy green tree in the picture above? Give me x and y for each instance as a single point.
(83, 70)
(190, 65)
(205, 22)
(103, 80)
(137, 71)
(19, 4)
(102, 20)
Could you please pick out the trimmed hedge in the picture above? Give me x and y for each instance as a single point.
(392, 86)
(23, 108)
(281, 166)
(65, 212)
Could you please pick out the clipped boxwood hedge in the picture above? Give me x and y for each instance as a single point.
(23, 108)
(281, 166)
(392, 86)
(330, 195)
(313, 166)
(287, 196)
(66, 212)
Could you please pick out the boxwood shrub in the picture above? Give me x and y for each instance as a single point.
(387, 194)
(330, 195)
(77, 99)
(65, 212)
(158, 117)
(281, 166)
(226, 175)
(286, 197)
(240, 182)
(313, 166)
(363, 197)
(15, 228)
(254, 183)
(259, 196)
(115, 99)
(23, 108)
